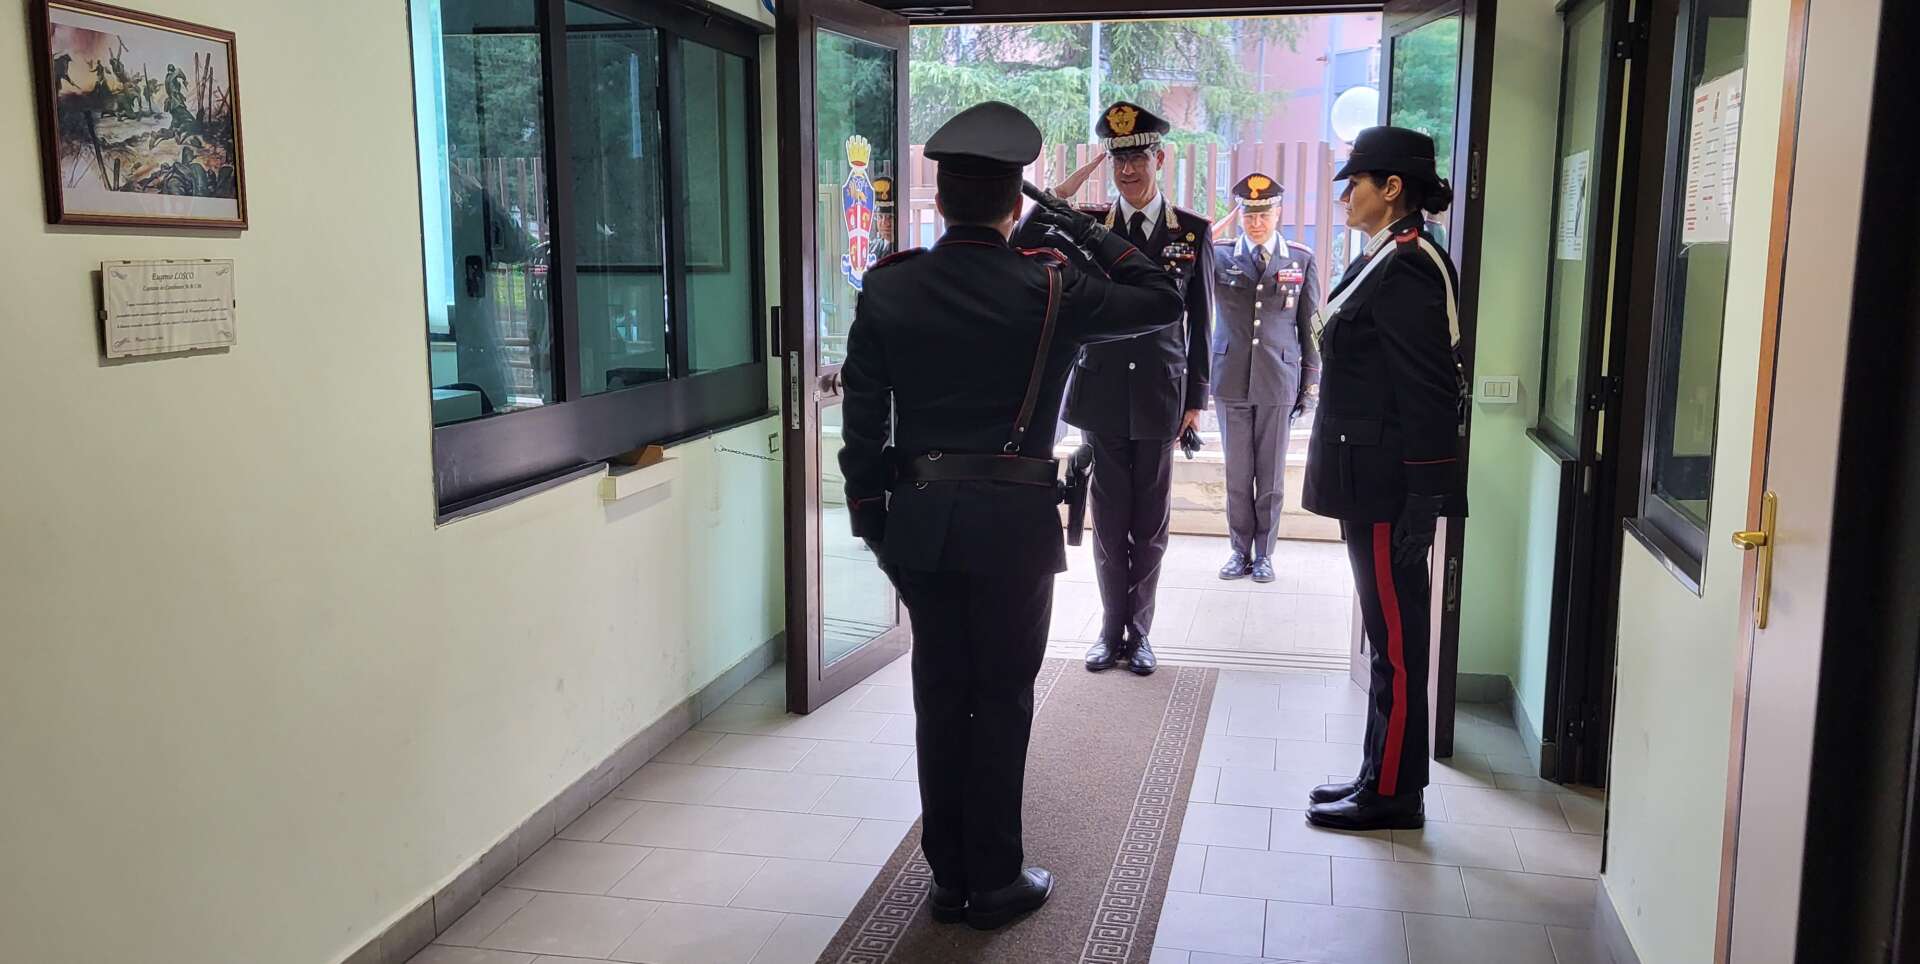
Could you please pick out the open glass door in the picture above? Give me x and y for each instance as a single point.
(1431, 49)
(1579, 422)
(843, 82)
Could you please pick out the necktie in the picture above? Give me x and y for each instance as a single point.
(1138, 225)
(1260, 258)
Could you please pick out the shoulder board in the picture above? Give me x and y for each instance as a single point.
(1303, 249)
(897, 257)
(1045, 254)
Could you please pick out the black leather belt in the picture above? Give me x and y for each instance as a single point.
(963, 467)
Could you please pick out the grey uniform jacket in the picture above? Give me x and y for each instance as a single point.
(1263, 350)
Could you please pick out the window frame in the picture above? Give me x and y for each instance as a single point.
(1602, 181)
(483, 462)
(1676, 541)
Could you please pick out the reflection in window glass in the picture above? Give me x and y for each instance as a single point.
(1426, 84)
(483, 200)
(1584, 88)
(1686, 403)
(720, 285)
(619, 224)
(856, 135)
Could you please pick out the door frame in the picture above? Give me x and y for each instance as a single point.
(811, 682)
(1863, 901)
(1470, 150)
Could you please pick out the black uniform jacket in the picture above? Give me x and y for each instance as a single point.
(1140, 387)
(1391, 392)
(938, 359)
(1263, 350)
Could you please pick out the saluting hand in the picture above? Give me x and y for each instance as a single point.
(1078, 179)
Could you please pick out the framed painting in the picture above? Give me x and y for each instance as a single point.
(139, 118)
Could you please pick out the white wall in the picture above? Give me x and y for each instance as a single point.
(1674, 703)
(253, 704)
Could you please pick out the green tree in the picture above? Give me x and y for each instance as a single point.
(1042, 69)
(1426, 82)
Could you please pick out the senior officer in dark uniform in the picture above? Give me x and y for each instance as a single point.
(1134, 398)
(952, 353)
(1385, 455)
(1266, 368)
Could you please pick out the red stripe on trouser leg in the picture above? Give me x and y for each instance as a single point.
(1396, 656)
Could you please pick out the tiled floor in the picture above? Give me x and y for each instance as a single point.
(751, 838)
(745, 842)
(1305, 613)
(1503, 873)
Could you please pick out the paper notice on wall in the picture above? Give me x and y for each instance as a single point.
(1713, 156)
(1571, 230)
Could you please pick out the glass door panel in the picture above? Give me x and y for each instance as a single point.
(843, 80)
(1424, 89)
(857, 601)
(856, 126)
(1583, 91)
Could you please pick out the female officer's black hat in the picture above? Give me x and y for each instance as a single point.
(1393, 150)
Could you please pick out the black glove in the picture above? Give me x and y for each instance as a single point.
(1305, 402)
(1057, 213)
(869, 518)
(1190, 442)
(1413, 534)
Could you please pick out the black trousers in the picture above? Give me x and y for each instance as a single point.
(1394, 602)
(978, 640)
(1131, 491)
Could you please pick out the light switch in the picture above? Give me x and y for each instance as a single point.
(1498, 390)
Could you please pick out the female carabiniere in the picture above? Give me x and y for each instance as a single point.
(1385, 454)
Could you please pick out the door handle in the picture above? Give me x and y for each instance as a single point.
(1761, 541)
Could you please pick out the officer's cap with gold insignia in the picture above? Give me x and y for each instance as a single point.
(1258, 192)
(883, 190)
(987, 140)
(1130, 127)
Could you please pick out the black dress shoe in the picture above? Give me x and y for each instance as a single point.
(1237, 566)
(1330, 792)
(1140, 658)
(1367, 810)
(1262, 570)
(1105, 654)
(948, 905)
(997, 908)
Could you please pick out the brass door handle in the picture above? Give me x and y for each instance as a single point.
(1761, 541)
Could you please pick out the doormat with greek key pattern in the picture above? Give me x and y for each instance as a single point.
(1109, 770)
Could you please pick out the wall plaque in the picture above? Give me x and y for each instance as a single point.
(156, 307)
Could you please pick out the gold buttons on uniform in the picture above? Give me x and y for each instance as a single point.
(1131, 366)
(1256, 304)
(1256, 341)
(1256, 323)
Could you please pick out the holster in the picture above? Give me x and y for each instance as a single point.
(1073, 491)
